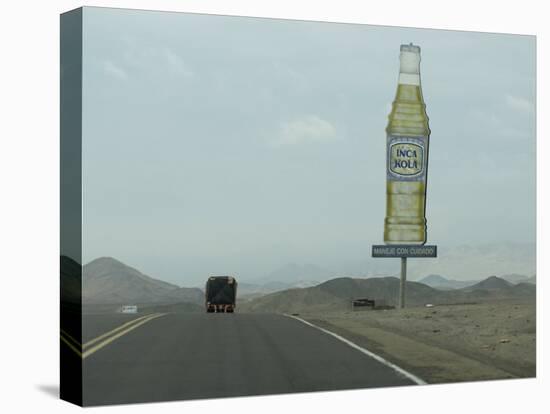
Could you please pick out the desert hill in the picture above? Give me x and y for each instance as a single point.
(491, 283)
(71, 285)
(336, 294)
(108, 281)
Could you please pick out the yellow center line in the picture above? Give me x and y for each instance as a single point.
(118, 328)
(71, 346)
(70, 338)
(97, 347)
(74, 345)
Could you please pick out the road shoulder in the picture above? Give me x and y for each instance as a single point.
(430, 362)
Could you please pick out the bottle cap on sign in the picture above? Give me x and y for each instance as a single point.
(409, 71)
(410, 48)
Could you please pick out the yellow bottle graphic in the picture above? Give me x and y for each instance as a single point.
(407, 156)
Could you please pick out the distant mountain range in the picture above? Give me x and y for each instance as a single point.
(475, 262)
(256, 289)
(515, 278)
(108, 281)
(460, 265)
(294, 274)
(336, 294)
(441, 283)
(291, 275)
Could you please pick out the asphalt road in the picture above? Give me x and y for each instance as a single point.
(97, 324)
(189, 356)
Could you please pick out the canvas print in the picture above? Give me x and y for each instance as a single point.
(256, 206)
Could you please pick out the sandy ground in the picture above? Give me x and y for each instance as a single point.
(446, 343)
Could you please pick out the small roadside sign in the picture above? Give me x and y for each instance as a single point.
(384, 250)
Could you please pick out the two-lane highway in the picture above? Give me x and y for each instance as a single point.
(188, 356)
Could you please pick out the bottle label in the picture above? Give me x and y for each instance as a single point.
(407, 158)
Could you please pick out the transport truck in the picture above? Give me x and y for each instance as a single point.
(221, 294)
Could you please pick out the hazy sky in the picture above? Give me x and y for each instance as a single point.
(219, 145)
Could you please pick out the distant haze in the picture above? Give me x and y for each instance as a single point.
(225, 145)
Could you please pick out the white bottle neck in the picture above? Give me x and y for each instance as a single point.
(409, 71)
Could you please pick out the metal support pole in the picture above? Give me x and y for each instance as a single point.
(402, 282)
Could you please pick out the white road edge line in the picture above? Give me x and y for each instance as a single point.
(371, 354)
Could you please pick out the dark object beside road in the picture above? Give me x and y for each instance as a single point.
(364, 304)
(357, 303)
(221, 294)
